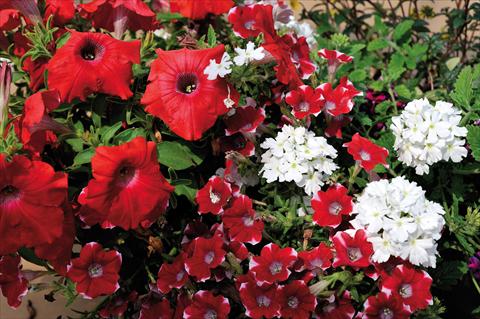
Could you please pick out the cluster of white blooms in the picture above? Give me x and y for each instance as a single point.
(426, 134)
(298, 155)
(249, 54)
(399, 221)
(214, 69)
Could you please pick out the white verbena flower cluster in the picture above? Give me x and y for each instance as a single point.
(426, 134)
(298, 155)
(399, 221)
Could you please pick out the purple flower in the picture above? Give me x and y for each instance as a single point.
(474, 265)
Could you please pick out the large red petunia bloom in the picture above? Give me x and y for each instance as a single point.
(273, 263)
(172, 275)
(385, 306)
(318, 258)
(259, 301)
(180, 94)
(207, 254)
(241, 221)
(329, 206)
(95, 271)
(354, 251)
(12, 283)
(305, 101)
(93, 63)
(339, 100)
(158, 310)
(366, 153)
(296, 300)
(206, 305)
(31, 197)
(127, 188)
(212, 197)
(62, 11)
(251, 20)
(411, 285)
(194, 9)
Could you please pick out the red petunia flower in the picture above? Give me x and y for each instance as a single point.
(245, 120)
(329, 206)
(238, 249)
(127, 186)
(366, 153)
(93, 63)
(305, 101)
(180, 94)
(352, 251)
(172, 275)
(158, 310)
(385, 306)
(341, 308)
(273, 263)
(296, 300)
(119, 15)
(339, 100)
(31, 197)
(259, 301)
(12, 283)
(411, 285)
(300, 55)
(334, 58)
(194, 9)
(251, 20)
(238, 143)
(9, 18)
(95, 271)
(317, 258)
(212, 197)
(28, 8)
(334, 127)
(62, 11)
(241, 221)
(117, 306)
(207, 254)
(206, 305)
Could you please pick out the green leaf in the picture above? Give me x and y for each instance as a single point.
(379, 26)
(186, 191)
(403, 91)
(462, 95)
(128, 135)
(63, 39)
(448, 273)
(402, 28)
(358, 75)
(84, 157)
(473, 138)
(211, 36)
(176, 155)
(356, 48)
(377, 44)
(452, 63)
(76, 144)
(109, 132)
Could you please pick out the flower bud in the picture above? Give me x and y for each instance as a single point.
(5, 82)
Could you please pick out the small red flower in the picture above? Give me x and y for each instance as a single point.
(410, 285)
(339, 100)
(385, 306)
(31, 197)
(329, 206)
(158, 310)
(95, 271)
(93, 63)
(317, 258)
(194, 9)
(367, 153)
(334, 58)
(259, 301)
(62, 11)
(128, 188)
(245, 120)
(207, 254)
(296, 300)
(273, 263)
(117, 306)
(341, 308)
(305, 101)
(207, 306)
(334, 127)
(212, 197)
(251, 20)
(177, 82)
(12, 283)
(241, 221)
(172, 275)
(352, 251)
(300, 53)
(238, 143)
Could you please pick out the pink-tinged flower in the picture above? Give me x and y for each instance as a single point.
(273, 263)
(317, 258)
(241, 221)
(366, 153)
(238, 249)
(385, 306)
(212, 197)
(127, 188)
(12, 283)
(259, 301)
(31, 197)
(172, 275)
(330, 206)
(245, 120)
(334, 59)
(411, 285)
(62, 11)
(352, 251)
(296, 300)
(194, 9)
(116, 307)
(181, 95)
(207, 254)
(305, 101)
(339, 308)
(474, 263)
(28, 8)
(119, 15)
(157, 310)
(251, 20)
(93, 63)
(300, 55)
(95, 271)
(207, 306)
(334, 127)
(339, 100)
(5, 83)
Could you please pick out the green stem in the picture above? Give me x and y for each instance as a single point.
(352, 177)
(475, 283)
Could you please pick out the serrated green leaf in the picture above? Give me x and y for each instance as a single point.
(176, 155)
(463, 92)
(211, 36)
(377, 44)
(76, 144)
(473, 138)
(403, 91)
(358, 75)
(402, 28)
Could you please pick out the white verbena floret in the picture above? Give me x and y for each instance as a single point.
(399, 221)
(214, 69)
(426, 134)
(298, 155)
(249, 54)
